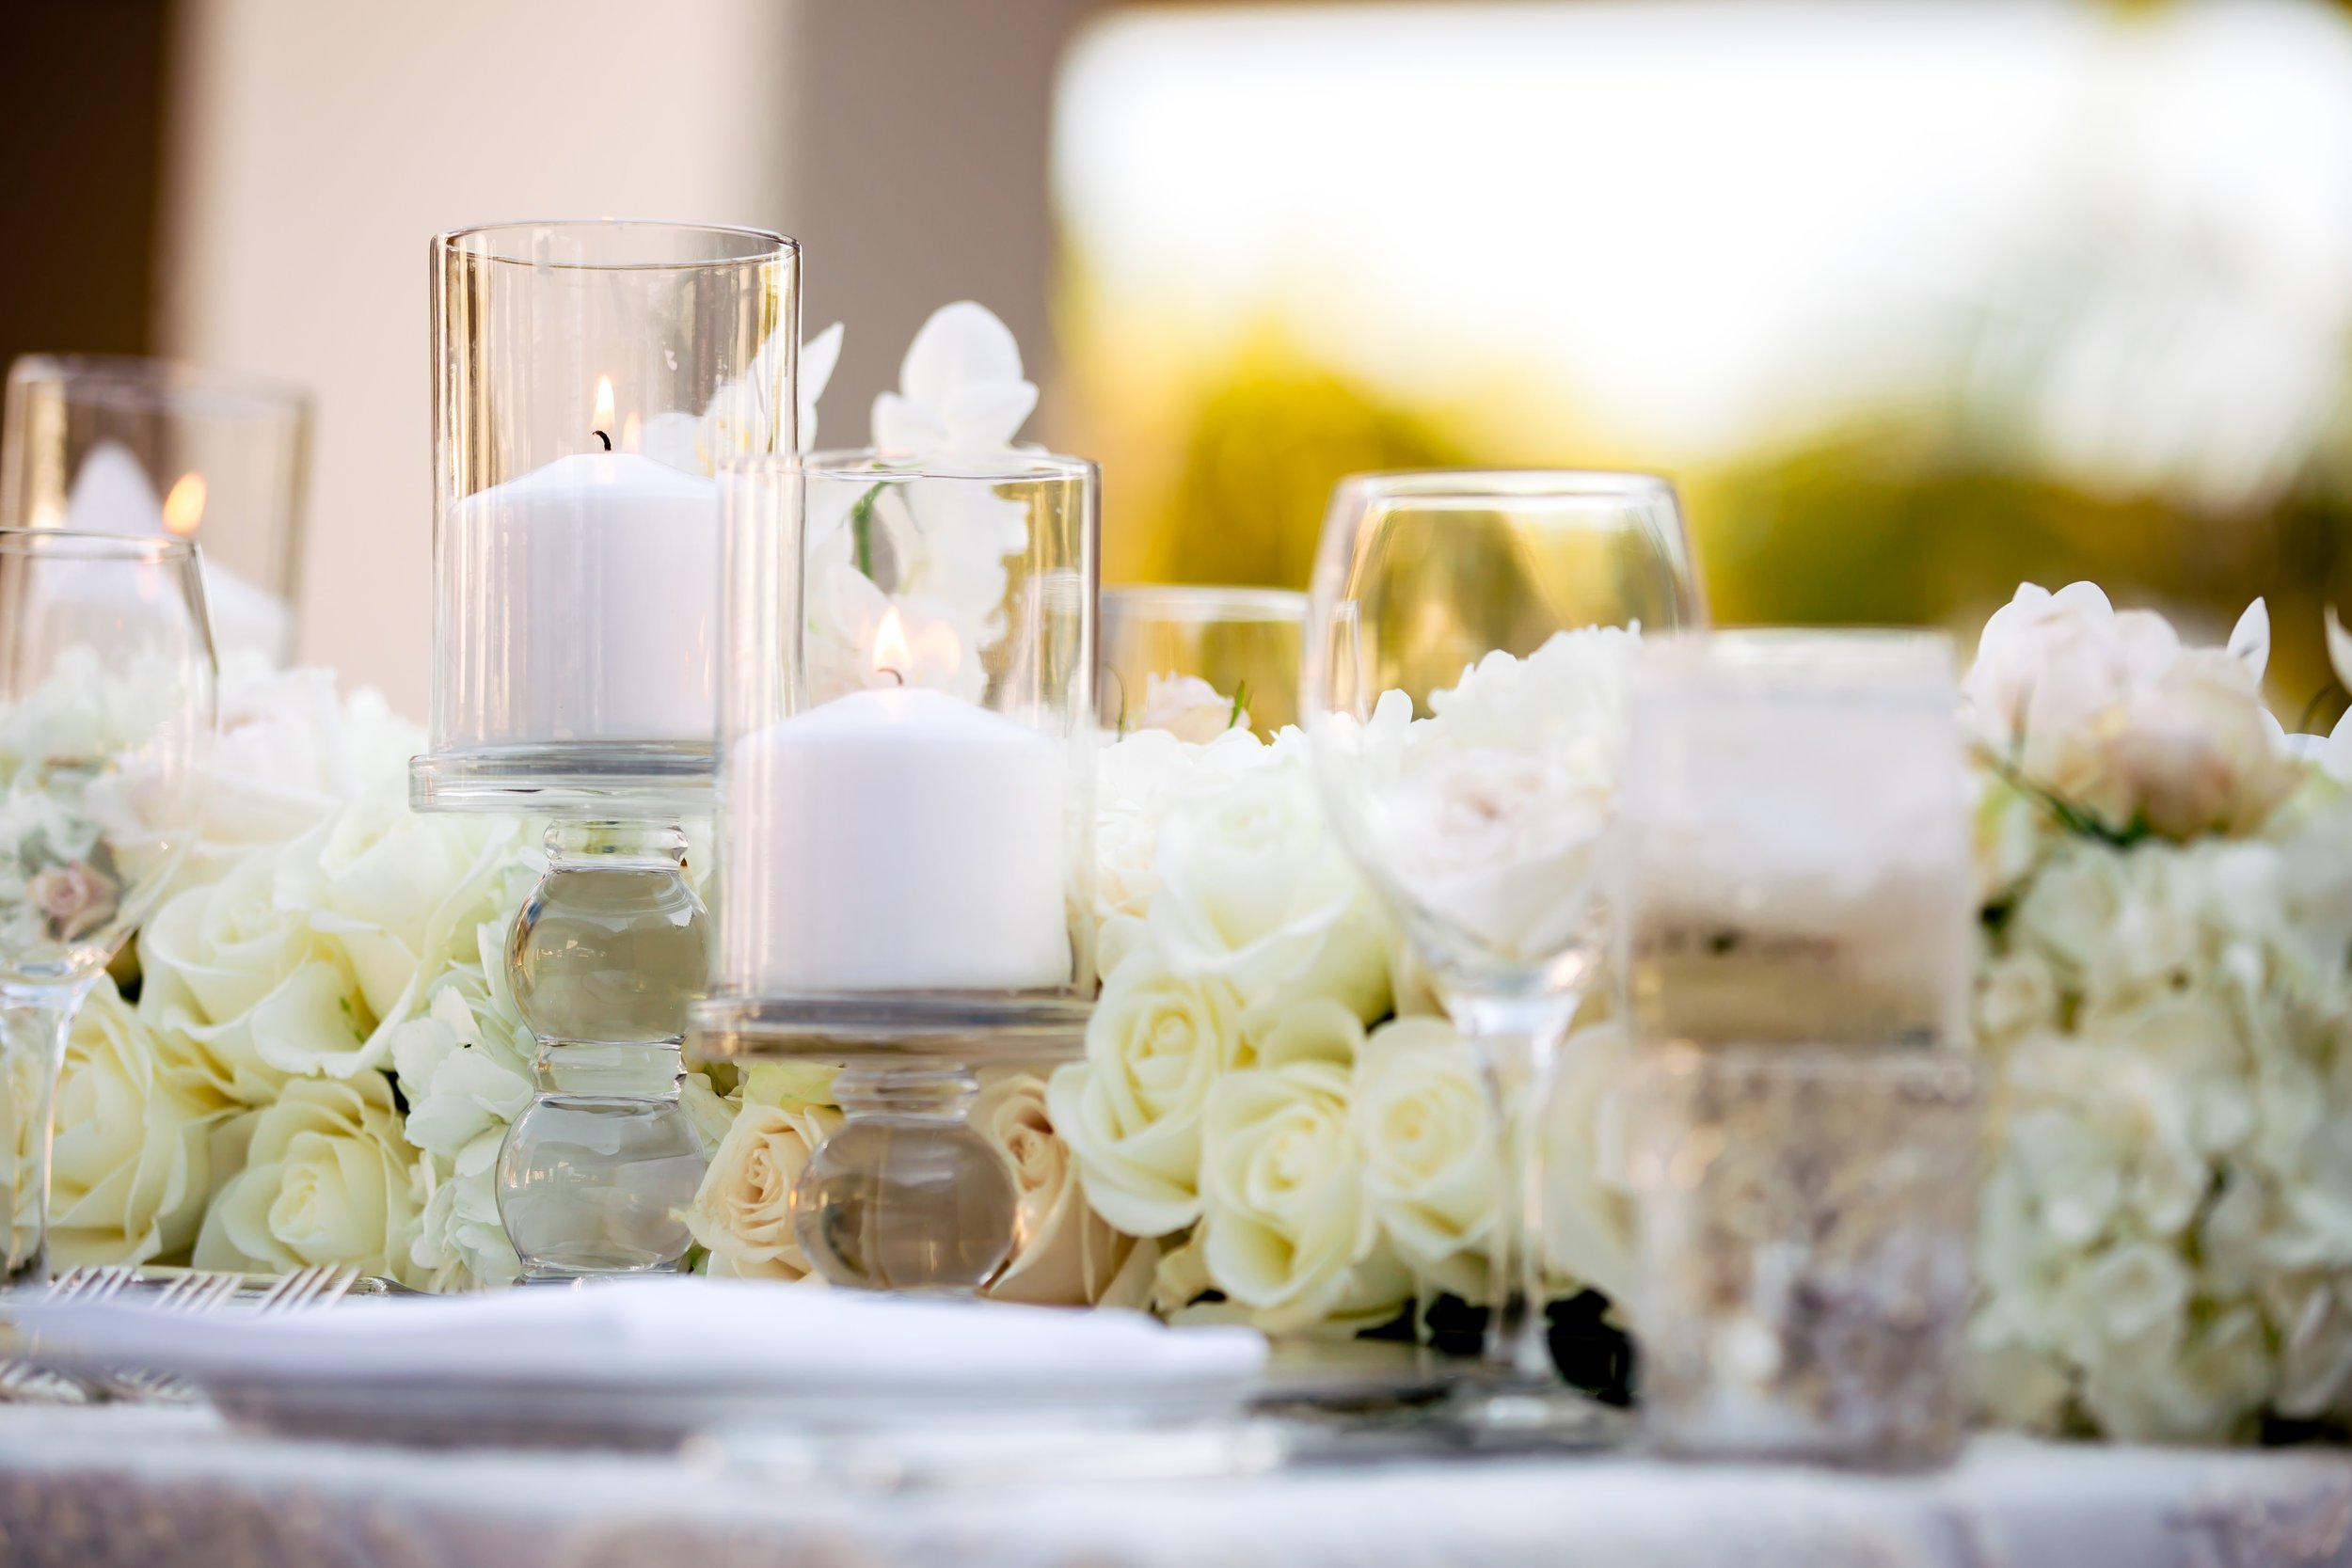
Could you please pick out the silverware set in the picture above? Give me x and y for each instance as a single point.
(190, 1291)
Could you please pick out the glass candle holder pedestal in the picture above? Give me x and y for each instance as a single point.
(589, 378)
(1793, 910)
(906, 799)
(153, 449)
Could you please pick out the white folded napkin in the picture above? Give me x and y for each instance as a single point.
(674, 1332)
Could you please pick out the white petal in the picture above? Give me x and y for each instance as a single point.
(964, 344)
(985, 418)
(904, 428)
(2250, 640)
(818, 356)
(2339, 649)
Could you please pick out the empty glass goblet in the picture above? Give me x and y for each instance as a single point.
(1470, 637)
(106, 710)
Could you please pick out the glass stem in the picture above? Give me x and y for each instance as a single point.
(39, 1023)
(1517, 1041)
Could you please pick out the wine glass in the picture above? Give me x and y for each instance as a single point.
(106, 710)
(1473, 789)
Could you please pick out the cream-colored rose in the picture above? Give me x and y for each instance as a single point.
(241, 993)
(398, 894)
(1254, 889)
(1284, 1221)
(1064, 1253)
(284, 760)
(1588, 1214)
(1188, 709)
(744, 1209)
(1156, 1044)
(1429, 1143)
(129, 1172)
(330, 1177)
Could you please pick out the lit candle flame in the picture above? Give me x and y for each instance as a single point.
(604, 403)
(184, 508)
(891, 654)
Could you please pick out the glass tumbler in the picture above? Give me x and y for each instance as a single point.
(1197, 661)
(154, 449)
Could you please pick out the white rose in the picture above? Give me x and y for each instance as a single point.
(2196, 752)
(1568, 697)
(1139, 777)
(1428, 1140)
(288, 753)
(1254, 889)
(1187, 707)
(130, 1172)
(1131, 1112)
(1500, 847)
(1287, 1232)
(328, 1178)
(1064, 1253)
(241, 993)
(400, 893)
(744, 1209)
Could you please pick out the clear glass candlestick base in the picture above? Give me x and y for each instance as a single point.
(608, 951)
(593, 1184)
(907, 1195)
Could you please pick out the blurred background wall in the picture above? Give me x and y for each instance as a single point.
(1915, 298)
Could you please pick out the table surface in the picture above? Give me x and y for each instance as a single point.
(92, 1487)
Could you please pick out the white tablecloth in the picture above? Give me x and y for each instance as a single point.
(90, 1488)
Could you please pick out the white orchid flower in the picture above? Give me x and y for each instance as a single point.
(818, 356)
(961, 390)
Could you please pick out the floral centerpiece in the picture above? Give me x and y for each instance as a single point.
(311, 1056)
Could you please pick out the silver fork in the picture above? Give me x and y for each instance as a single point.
(320, 1285)
(26, 1379)
(189, 1294)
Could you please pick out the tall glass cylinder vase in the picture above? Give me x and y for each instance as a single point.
(152, 449)
(588, 380)
(906, 825)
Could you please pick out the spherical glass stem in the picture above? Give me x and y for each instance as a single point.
(595, 1178)
(907, 1195)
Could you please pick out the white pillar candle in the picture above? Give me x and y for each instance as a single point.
(897, 840)
(589, 596)
(111, 495)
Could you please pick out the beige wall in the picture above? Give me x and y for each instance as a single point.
(318, 144)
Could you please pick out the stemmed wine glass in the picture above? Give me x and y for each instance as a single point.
(106, 710)
(1474, 790)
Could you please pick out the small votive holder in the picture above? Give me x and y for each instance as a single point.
(1794, 899)
(113, 444)
(906, 824)
(1196, 661)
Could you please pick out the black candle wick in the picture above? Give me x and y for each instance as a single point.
(606, 439)
(894, 674)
